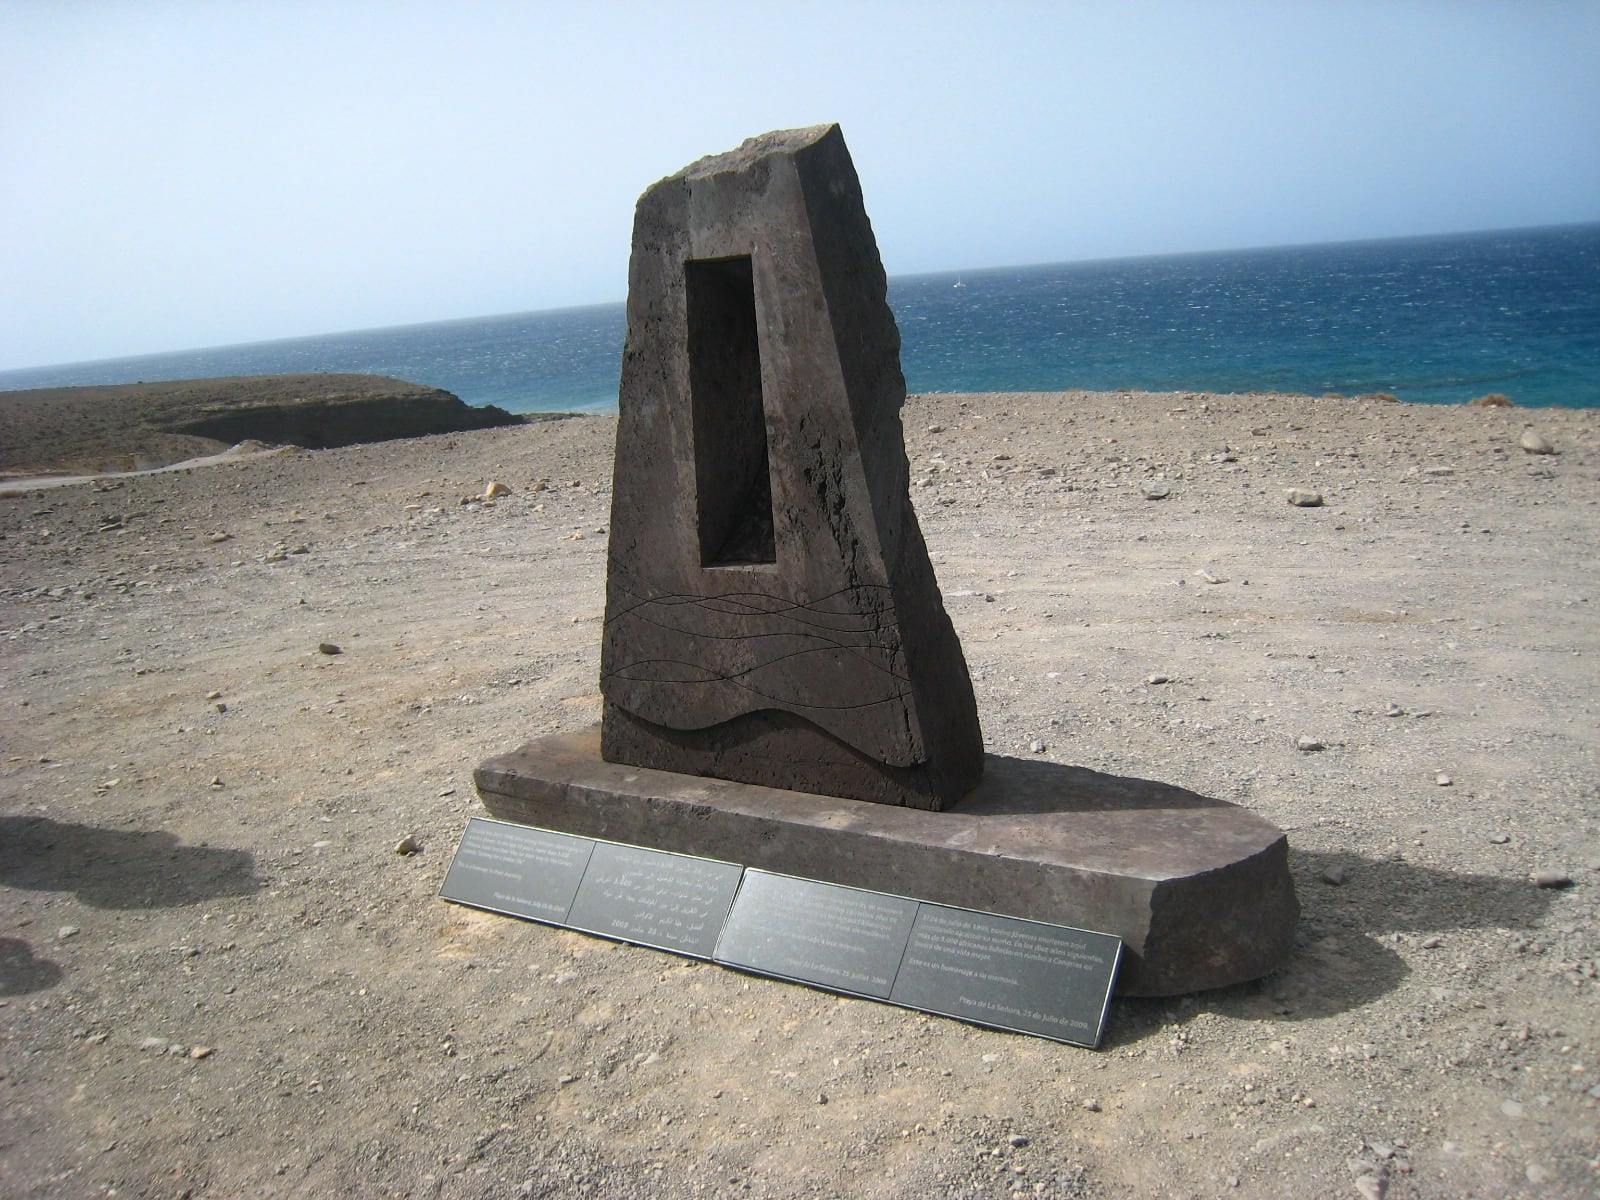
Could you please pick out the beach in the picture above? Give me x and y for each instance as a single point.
(232, 690)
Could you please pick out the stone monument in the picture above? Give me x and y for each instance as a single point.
(782, 687)
(771, 614)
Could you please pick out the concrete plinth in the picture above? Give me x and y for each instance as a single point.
(1198, 889)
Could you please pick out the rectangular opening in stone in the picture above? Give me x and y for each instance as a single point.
(733, 482)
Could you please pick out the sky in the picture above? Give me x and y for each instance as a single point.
(184, 174)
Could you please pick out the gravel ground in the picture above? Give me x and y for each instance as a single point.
(218, 979)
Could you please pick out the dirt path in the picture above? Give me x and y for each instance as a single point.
(218, 979)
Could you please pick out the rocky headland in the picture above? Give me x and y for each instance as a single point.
(144, 426)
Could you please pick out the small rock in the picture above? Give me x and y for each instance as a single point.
(1209, 576)
(153, 1043)
(213, 695)
(495, 489)
(1536, 1173)
(1308, 745)
(1499, 839)
(1394, 710)
(220, 537)
(1157, 679)
(935, 428)
(1335, 876)
(1304, 498)
(1535, 443)
(1036, 746)
(1442, 779)
(1018, 1141)
(201, 1051)
(1551, 877)
(407, 845)
(328, 648)
(1156, 490)
(1091, 1106)
(220, 706)
(65, 932)
(1433, 942)
(1372, 1187)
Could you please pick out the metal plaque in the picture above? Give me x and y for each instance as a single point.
(517, 869)
(655, 898)
(1025, 976)
(840, 938)
(1006, 972)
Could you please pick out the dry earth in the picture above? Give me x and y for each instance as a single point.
(218, 979)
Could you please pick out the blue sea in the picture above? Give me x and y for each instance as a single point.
(1436, 320)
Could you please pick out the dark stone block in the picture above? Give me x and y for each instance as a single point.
(771, 613)
(1198, 889)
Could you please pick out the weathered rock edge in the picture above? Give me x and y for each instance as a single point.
(1198, 889)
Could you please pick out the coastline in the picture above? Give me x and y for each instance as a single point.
(204, 924)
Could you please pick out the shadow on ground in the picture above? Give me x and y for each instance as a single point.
(21, 972)
(1352, 960)
(109, 868)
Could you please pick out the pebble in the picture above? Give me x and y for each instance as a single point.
(1372, 1187)
(1154, 680)
(1536, 443)
(1551, 877)
(65, 932)
(1499, 839)
(1304, 498)
(1091, 1106)
(1036, 746)
(201, 1051)
(1209, 576)
(1394, 710)
(153, 1043)
(1432, 942)
(213, 695)
(1156, 491)
(1018, 1140)
(1335, 876)
(328, 648)
(407, 845)
(1442, 779)
(495, 488)
(1308, 745)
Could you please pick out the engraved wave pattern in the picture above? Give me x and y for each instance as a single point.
(785, 650)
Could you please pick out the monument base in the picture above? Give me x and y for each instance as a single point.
(1197, 889)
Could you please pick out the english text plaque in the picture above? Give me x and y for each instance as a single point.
(1020, 975)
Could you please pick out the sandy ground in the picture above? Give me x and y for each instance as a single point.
(218, 979)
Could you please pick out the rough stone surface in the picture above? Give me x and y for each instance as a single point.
(1198, 889)
(771, 613)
